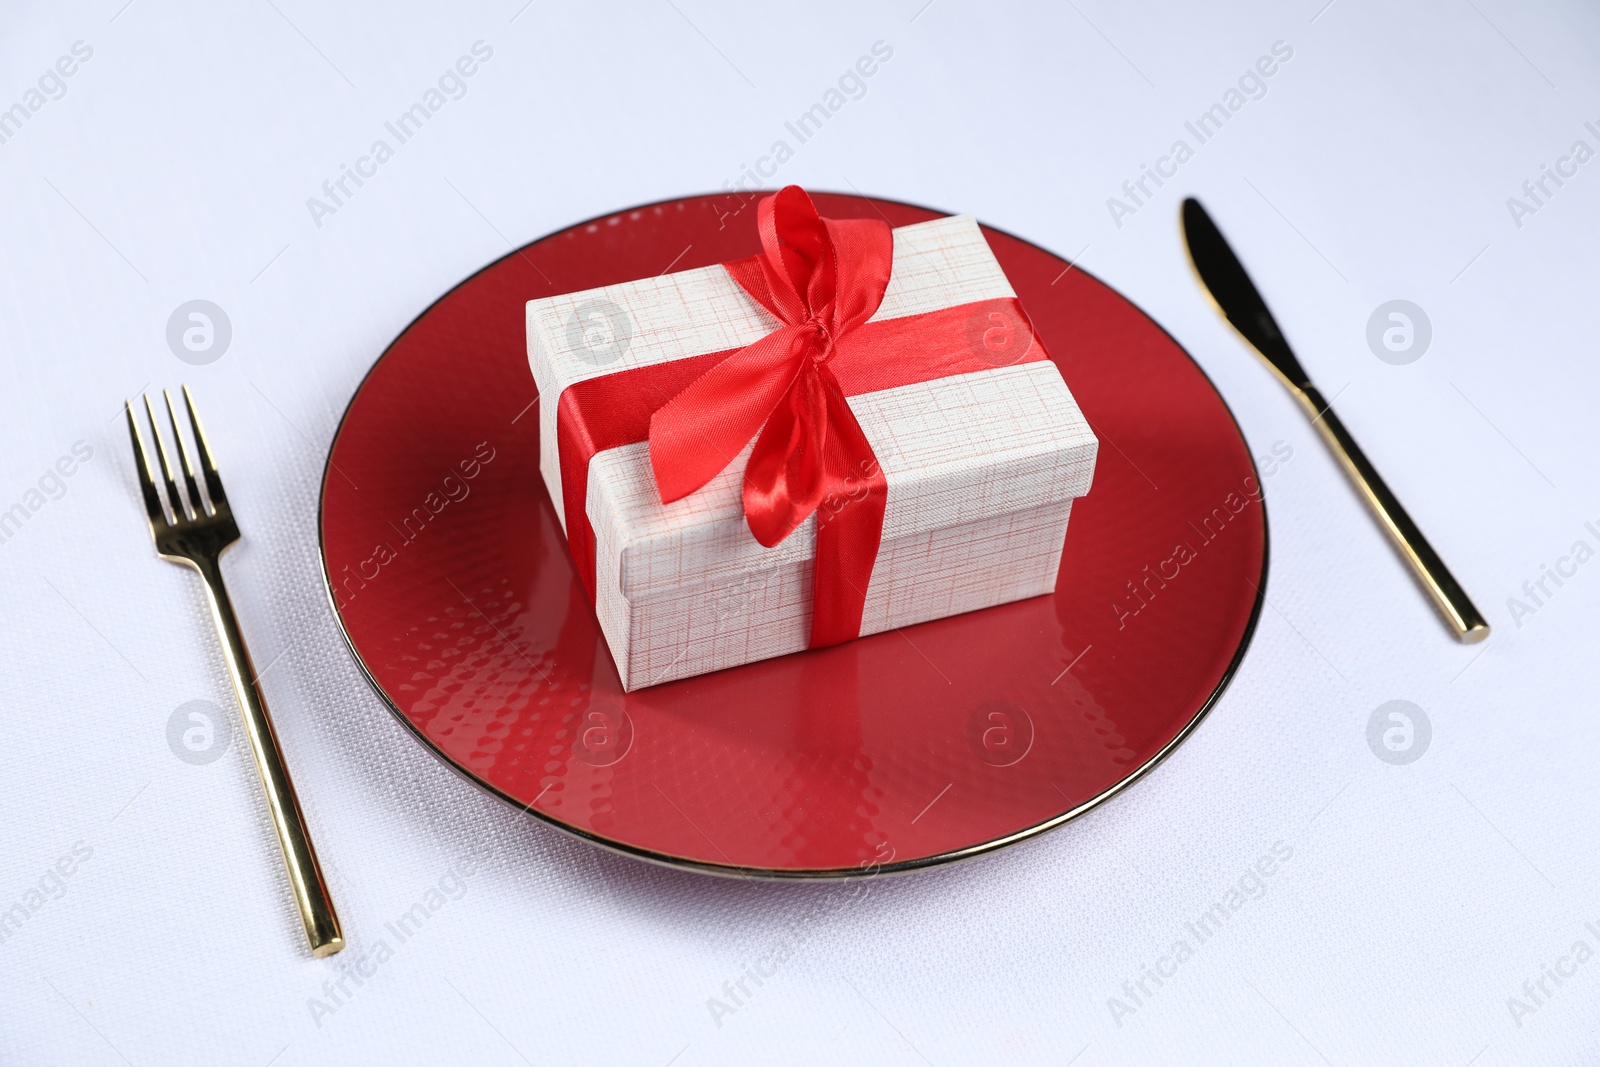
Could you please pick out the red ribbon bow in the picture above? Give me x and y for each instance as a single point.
(822, 279)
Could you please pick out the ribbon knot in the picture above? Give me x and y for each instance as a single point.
(822, 346)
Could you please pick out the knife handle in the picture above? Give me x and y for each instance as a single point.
(1430, 570)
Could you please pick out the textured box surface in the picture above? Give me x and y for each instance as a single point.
(981, 470)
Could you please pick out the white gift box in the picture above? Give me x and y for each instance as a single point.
(981, 468)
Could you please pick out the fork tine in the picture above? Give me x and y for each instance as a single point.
(147, 482)
(183, 460)
(179, 514)
(208, 465)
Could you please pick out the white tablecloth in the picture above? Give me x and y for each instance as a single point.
(1425, 911)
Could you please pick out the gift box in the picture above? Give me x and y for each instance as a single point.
(855, 431)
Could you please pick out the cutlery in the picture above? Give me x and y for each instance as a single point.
(195, 534)
(1224, 278)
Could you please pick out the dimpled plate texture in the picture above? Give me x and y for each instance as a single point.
(451, 580)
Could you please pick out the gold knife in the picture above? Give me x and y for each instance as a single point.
(1224, 278)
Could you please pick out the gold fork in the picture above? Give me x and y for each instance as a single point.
(197, 535)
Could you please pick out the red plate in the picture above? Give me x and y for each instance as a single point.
(451, 580)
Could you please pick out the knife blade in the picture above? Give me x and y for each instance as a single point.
(1224, 278)
(1235, 294)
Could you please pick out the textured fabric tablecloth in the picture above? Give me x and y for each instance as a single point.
(1309, 879)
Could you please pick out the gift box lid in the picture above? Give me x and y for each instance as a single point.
(1005, 439)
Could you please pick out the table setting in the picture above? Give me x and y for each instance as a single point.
(848, 574)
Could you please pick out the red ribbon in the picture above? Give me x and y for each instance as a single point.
(822, 279)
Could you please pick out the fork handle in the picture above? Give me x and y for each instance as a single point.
(305, 874)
